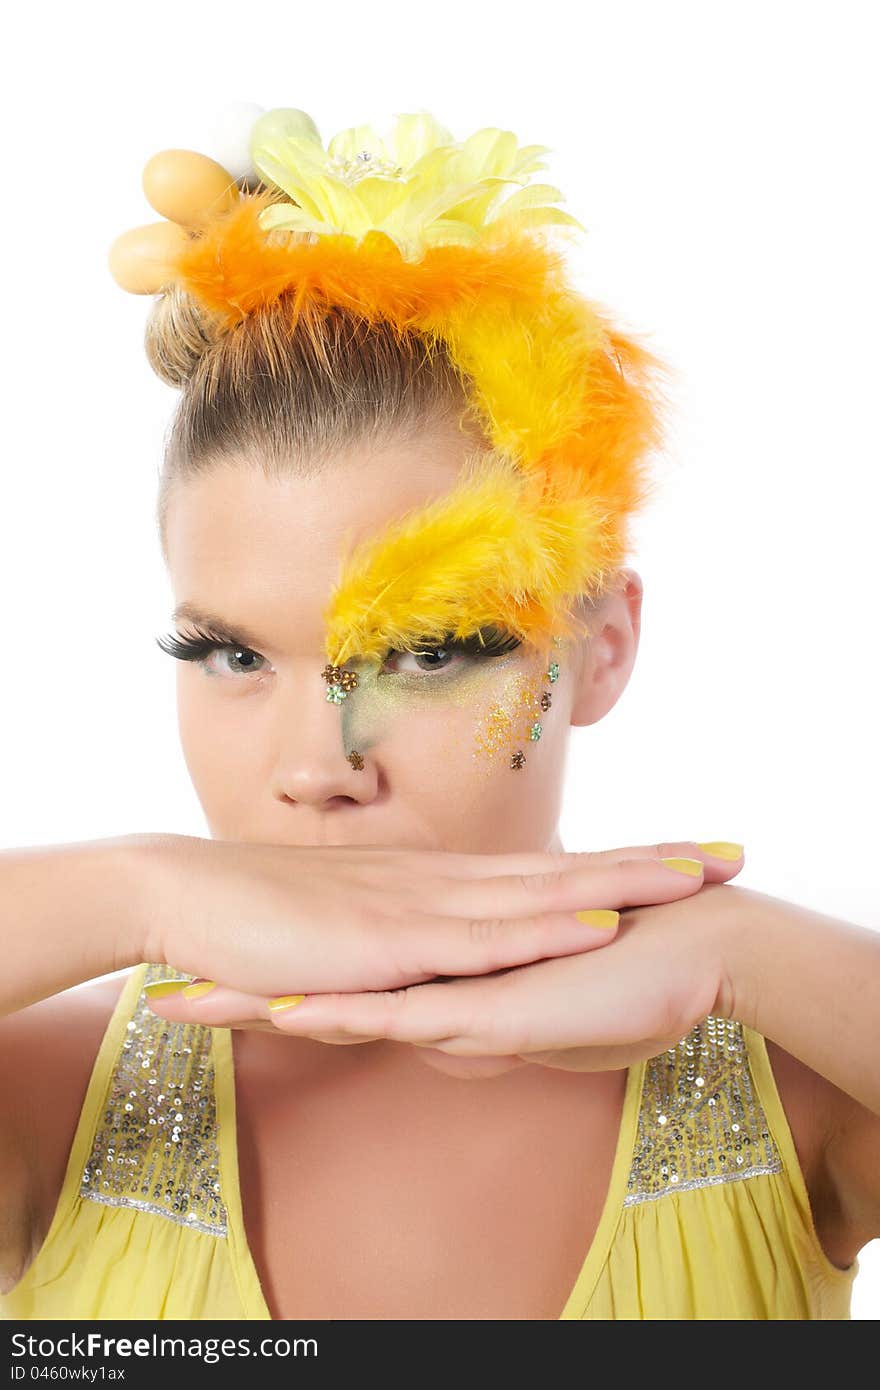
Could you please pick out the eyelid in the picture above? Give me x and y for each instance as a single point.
(224, 637)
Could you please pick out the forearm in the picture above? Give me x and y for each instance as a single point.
(811, 983)
(68, 913)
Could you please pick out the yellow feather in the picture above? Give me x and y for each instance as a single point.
(500, 548)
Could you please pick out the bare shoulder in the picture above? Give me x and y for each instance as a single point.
(47, 1052)
(817, 1112)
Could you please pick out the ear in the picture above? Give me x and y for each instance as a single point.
(609, 653)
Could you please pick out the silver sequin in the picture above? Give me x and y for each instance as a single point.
(700, 1120)
(155, 1145)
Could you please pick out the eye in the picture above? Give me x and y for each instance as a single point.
(480, 646)
(426, 659)
(202, 649)
(242, 660)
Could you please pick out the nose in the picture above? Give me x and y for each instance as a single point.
(312, 765)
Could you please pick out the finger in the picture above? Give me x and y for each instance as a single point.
(473, 1068)
(337, 1037)
(445, 863)
(429, 1014)
(717, 867)
(600, 1058)
(499, 1015)
(221, 1007)
(628, 882)
(487, 930)
(429, 948)
(433, 946)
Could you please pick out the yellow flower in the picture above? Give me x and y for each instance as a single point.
(419, 187)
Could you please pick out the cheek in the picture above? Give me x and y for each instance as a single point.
(482, 760)
(214, 753)
(493, 711)
(196, 739)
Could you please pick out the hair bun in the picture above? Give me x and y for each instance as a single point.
(178, 333)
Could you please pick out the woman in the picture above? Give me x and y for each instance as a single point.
(546, 1092)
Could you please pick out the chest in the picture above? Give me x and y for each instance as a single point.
(406, 1196)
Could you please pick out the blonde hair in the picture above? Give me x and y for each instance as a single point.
(285, 396)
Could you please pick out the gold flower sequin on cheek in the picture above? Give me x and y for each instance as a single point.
(375, 703)
(340, 681)
(516, 719)
(394, 705)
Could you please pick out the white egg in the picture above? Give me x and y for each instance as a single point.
(231, 137)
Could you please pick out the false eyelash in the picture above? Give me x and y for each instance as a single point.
(196, 648)
(487, 642)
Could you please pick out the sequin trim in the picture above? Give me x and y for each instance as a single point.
(155, 1146)
(700, 1119)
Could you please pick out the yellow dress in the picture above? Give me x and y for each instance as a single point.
(706, 1216)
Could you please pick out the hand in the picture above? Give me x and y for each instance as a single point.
(595, 1011)
(265, 920)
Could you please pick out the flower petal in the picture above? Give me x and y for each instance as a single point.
(353, 141)
(415, 135)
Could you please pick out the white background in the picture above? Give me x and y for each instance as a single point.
(723, 160)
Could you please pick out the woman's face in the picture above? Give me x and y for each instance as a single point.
(270, 756)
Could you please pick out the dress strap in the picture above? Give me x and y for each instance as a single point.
(701, 1119)
(150, 1119)
(92, 1104)
(767, 1088)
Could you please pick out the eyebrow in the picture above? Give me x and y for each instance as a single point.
(229, 632)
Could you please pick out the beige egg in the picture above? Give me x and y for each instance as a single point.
(187, 187)
(141, 260)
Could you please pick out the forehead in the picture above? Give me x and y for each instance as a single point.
(249, 547)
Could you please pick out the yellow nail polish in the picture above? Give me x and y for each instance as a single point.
(721, 849)
(685, 866)
(197, 990)
(604, 917)
(157, 989)
(286, 1001)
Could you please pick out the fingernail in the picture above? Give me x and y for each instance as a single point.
(198, 988)
(599, 917)
(685, 866)
(158, 988)
(721, 849)
(286, 1001)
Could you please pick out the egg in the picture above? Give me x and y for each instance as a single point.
(141, 260)
(187, 187)
(231, 139)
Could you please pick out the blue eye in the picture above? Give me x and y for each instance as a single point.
(200, 649)
(481, 645)
(437, 658)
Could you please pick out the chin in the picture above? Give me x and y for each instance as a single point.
(470, 1068)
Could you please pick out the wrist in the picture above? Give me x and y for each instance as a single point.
(746, 941)
(143, 863)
